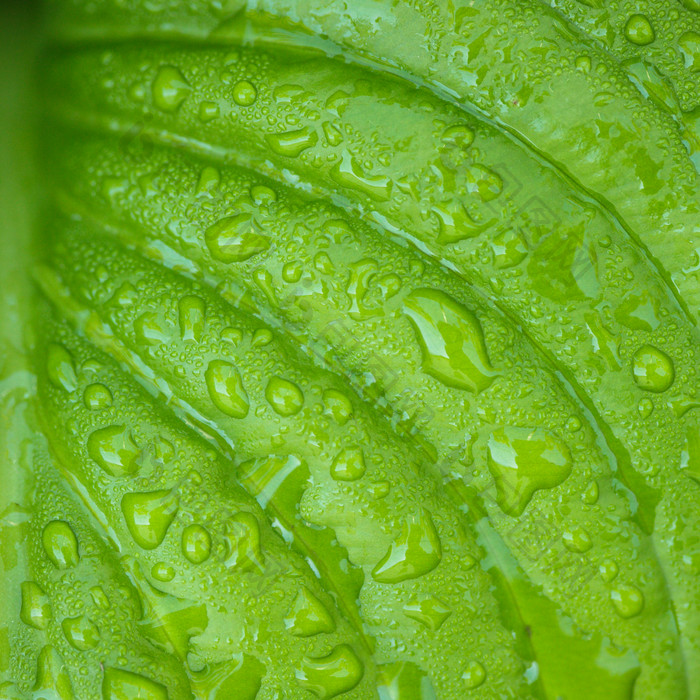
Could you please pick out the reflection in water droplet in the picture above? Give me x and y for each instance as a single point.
(349, 464)
(191, 310)
(522, 461)
(653, 369)
(428, 610)
(639, 31)
(627, 600)
(474, 675)
(97, 397)
(485, 182)
(196, 543)
(415, 552)
(36, 609)
(61, 544)
(149, 515)
(113, 449)
(235, 239)
(308, 616)
(170, 89)
(226, 389)
(119, 684)
(285, 397)
(331, 675)
(452, 341)
(82, 634)
(292, 143)
(60, 368)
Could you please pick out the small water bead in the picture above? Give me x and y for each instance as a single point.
(61, 544)
(416, 552)
(226, 389)
(645, 407)
(638, 30)
(573, 424)
(99, 598)
(52, 679)
(485, 182)
(244, 93)
(119, 684)
(474, 675)
(429, 611)
(196, 543)
(653, 369)
(149, 515)
(60, 368)
(577, 540)
(161, 571)
(208, 111)
(591, 494)
(583, 63)
(235, 239)
(35, 610)
(333, 135)
(81, 632)
(308, 616)
(113, 449)
(628, 600)
(170, 89)
(349, 464)
(292, 144)
(608, 570)
(285, 397)
(331, 675)
(97, 397)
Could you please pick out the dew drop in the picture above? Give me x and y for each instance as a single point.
(415, 552)
(349, 173)
(292, 271)
(191, 310)
(689, 44)
(208, 111)
(308, 616)
(196, 543)
(577, 540)
(285, 397)
(653, 369)
(36, 609)
(60, 368)
(403, 680)
(170, 89)
(429, 611)
(331, 675)
(474, 675)
(523, 460)
(61, 544)
(244, 93)
(348, 465)
(608, 570)
(113, 449)
(459, 135)
(590, 495)
(161, 571)
(81, 632)
(638, 30)
(292, 144)
(235, 239)
(456, 224)
(226, 389)
(242, 536)
(627, 600)
(337, 405)
(52, 679)
(485, 182)
(97, 397)
(209, 181)
(509, 249)
(150, 329)
(119, 684)
(149, 515)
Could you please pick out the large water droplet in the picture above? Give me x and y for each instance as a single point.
(113, 449)
(348, 465)
(428, 610)
(36, 609)
(226, 389)
(285, 397)
(485, 182)
(331, 675)
(523, 460)
(235, 239)
(361, 272)
(81, 632)
(151, 329)
(191, 311)
(244, 93)
(308, 616)
(97, 397)
(196, 543)
(349, 173)
(149, 515)
(458, 135)
(119, 684)
(208, 111)
(403, 680)
(456, 224)
(639, 31)
(337, 405)
(509, 249)
(627, 600)
(452, 341)
(61, 544)
(52, 679)
(170, 89)
(474, 675)
(415, 552)
(577, 539)
(653, 369)
(242, 536)
(60, 368)
(292, 143)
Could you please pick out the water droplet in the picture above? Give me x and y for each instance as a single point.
(196, 543)
(113, 449)
(509, 249)
(628, 600)
(415, 552)
(608, 570)
(308, 616)
(337, 406)
(361, 272)
(523, 460)
(209, 181)
(639, 31)
(119, 684)
(459, 135)
(263, 195)
(692, 5)
(349, 173)
(640, 312)
(689, 44)
(484, 181)
(60, 368)
(235, 239)
(348, 465)
(226, 389)
(244, 93)
(583, 63)
(590, 495)
(150, 329)
(292, 143)
(99, 598)
(52, 679)
(97, 397)
(162, 571)
(645, 407)
(242, 536)
(577, 540)
(191, 311)
(36, 609)
(61, 544)
(81, 632)
(261, 338)
(170, 89)
(208, 111)
(690, 455)
(334, 136)
(403, 680)
(456, 224)
(452, 341)
(331, 675)
(653, 369)
(474, 675)
(429, 611)
(125, 296)
(239, 678)
(285, 397)
(149, 515)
